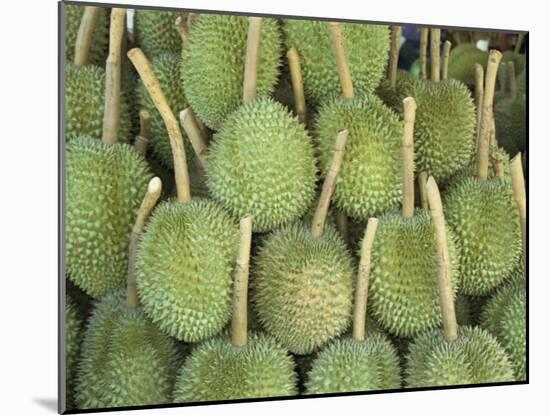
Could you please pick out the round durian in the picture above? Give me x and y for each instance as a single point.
(105, 184)
(262, 163)
(85, 102)
(155, 32)
(403, 294)
(370, 180)
(184, 268)
(510, 122)
(474, 357)
(217, 370)
(367, 48)
(504, 316)
(485, 220)
(462, 59)
(100, 35)
(73, 331)
(125, 359)
(213, 62)
(303, 287)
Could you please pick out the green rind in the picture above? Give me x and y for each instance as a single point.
(100, 36)
(155, 32)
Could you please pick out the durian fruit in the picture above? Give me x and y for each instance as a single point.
(302, 291)
(369, 182)
(247, 365)
(454, 355)
(99, 36)
(73, 331)
(213, 58)
(155, 32)
(367, 47)
(462, 59)
(184, 259)
(393, 97)
(359, 363)
(403, 295)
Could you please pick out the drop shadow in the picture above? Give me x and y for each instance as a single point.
(48, 403)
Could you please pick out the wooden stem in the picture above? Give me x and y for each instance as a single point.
(435, 40)
(240, 290)
(252, 59)
(512, 79)
(422, 179)
(190, 19)
(444, 279)
(181, 26)
(84, 35)
(341, 61)
(297, 84)
(152, 85)
(111, 113)
(142, 139)
(149, 201)
(318, 225)
(519, 42)
(496, 158)
(394, 55)
(478, 73)
(487, 114)
(362, 289)
(407, 149)
(446, 53)
(423, 50)
(189, 123)
(518, 187)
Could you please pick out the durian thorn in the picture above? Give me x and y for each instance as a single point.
(423, 49)
(189, 123)
(446, 52)
(181, 26)
(297, 84)
(240, 289)
(512, 80)
(142, 139)
(435, 40)
(342, 225)
(111, 113)
(519, 42)
(444, 279)
(394, 55)
(252, 59)
(487, 114)
(318, 224)
(149, 201)
(85, 34)
(344, 73)
(518, 187)
(422, 179)
(407, 150)
(152, 85)
(362, 289)
(478, 74)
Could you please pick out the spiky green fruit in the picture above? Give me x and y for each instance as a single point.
(105, 185)
(484, 217)
(366, 48)
(213, 64)
(100, 35)
(155, 32)
(85, 102)
(504, 316)
(184, 268)
(475, 357)
(444, 127)
(262, 163)
(370, 180)
(393, 98)
(73, 332)
(403, 294)
(125, 359)
(217, 370)
(462, 60)
(511, 125)
(303, 287)
(349, 365)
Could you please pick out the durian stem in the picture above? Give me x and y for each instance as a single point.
(478, 73)
(496, 158)
(152, 85)
(422, 179)
(512, 80)
(189, 123)
(318, 225)
(444, 279)
(519, 42)
(142, 139)
(342, 225)
(362, 289)
(341, 61)
(149, 201)
(446, 53)
(435, 40)
(84, 35)
(423, 50)
(111, 113)
(252, 59)
(297, 84)
(181, 26)
(190, 19)
(407, 150)
(394, 55)
(518, 187)
(487, 114)
(240, 290)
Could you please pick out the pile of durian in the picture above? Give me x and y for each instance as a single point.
(262, 207)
